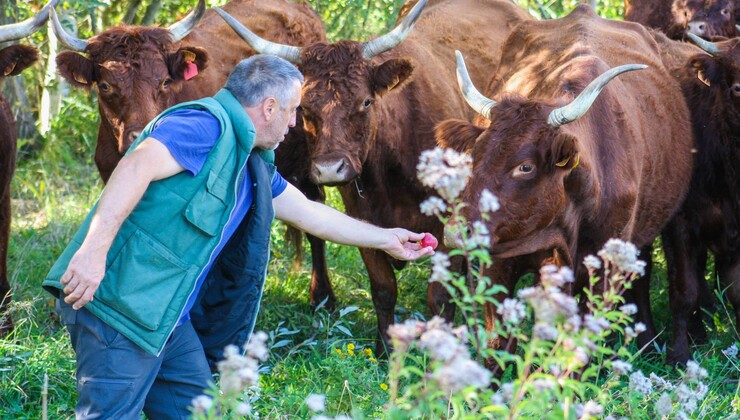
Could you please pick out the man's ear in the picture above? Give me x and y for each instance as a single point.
(392, 74)
(187, 62)
(458, 135)
(270, 107)
(563, 153)
(76, 69)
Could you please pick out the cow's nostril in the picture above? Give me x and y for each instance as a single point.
(340, 167)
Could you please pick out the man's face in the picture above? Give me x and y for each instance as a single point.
(283, 117)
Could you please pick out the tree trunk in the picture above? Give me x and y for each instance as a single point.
(130, 15)
(152, 11)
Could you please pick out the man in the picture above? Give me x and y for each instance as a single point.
(168, 269)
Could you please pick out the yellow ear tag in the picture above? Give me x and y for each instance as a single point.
(578, 160)
(562, 162)
(188, 55)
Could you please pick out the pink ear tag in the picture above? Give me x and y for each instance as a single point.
(191, 70)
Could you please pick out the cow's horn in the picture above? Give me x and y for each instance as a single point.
(472, 96)
(180, 29)
(579, 106)
(394, 37)
(71, 41)
(27, 27)
(705, 45)
(261, 45)
(737, 28)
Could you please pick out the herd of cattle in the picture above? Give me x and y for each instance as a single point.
(577, 149)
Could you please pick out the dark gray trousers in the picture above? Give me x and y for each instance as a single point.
(116, 379)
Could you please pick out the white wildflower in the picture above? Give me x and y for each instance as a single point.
(461, 333)
(440, 263)
(316, 402)
(661, 383)
(243, 408)
(731, 352)
(433, 206)
(687, 398)
(592, 409)
(440, 344)
(543, 384)
(694, 371)
(403, 334)
(201, 404)
(545, 332)
(640, 384)
(460, 373)
(512, 311)
(507, 391)
(664, 405)
(580, 357)
(257, 346)
(640, 328)
(596, 325)
(628, 309)
(488, 202)
(445, 170)
(681, 416)
(623, 256)
(621, 367)
(481, 237)
(592, 262)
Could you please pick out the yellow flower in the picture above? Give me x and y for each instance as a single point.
(367, 352)
(339, 351)
(384, 386)
(372, 359)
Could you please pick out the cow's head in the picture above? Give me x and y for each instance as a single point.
(720, 70)
(342, 85)
(705, 18)
(137, 71)
(16, 58)
(524, 157)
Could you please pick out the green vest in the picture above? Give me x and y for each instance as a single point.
(167, 240)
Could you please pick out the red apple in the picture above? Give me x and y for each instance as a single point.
(429, 240)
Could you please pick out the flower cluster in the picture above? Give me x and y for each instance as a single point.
(622, 256)
(454, 370)
(445, 170)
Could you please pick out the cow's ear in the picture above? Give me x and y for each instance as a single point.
(392, 74)
(563, 153)
(706, 69)
(458, 135)
(16, 58)
(187, 62)
(76, 69)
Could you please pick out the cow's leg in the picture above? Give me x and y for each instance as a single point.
(683, 254)
(697, 329)
(6, 323)
(728, 268)
(640, 295)
(320, 286)
(384, 292)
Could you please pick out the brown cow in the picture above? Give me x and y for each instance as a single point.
(140, 71)
(13, 60)
(706, 18)
(710, 216)
(369, 111)
(572, 173)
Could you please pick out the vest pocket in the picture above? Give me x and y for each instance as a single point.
(206, 210)
(142, 280)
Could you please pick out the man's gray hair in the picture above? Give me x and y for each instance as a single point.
(260, 76)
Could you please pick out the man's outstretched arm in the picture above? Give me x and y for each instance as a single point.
(150, 161)
(327, 223)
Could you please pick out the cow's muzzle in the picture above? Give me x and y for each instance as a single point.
(333, 169)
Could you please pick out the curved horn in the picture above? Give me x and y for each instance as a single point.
(473, 97)
(69, 40)
(709, 47)
(737, 28)
(394, 37)
(579, 106)
(27, 27)
(261, 45)
(180, 29)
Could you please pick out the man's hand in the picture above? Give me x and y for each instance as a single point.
(83, 276)
(404, 245)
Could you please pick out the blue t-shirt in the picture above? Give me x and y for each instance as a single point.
(189, 135)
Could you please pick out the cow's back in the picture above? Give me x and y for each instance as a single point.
(637, 118)
(282, 21)
(651, 13)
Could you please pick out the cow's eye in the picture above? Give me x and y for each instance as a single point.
(104, 87)
(726, 12)
(523, 170)
(166, 82)
(736, 89)
(368, 102)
